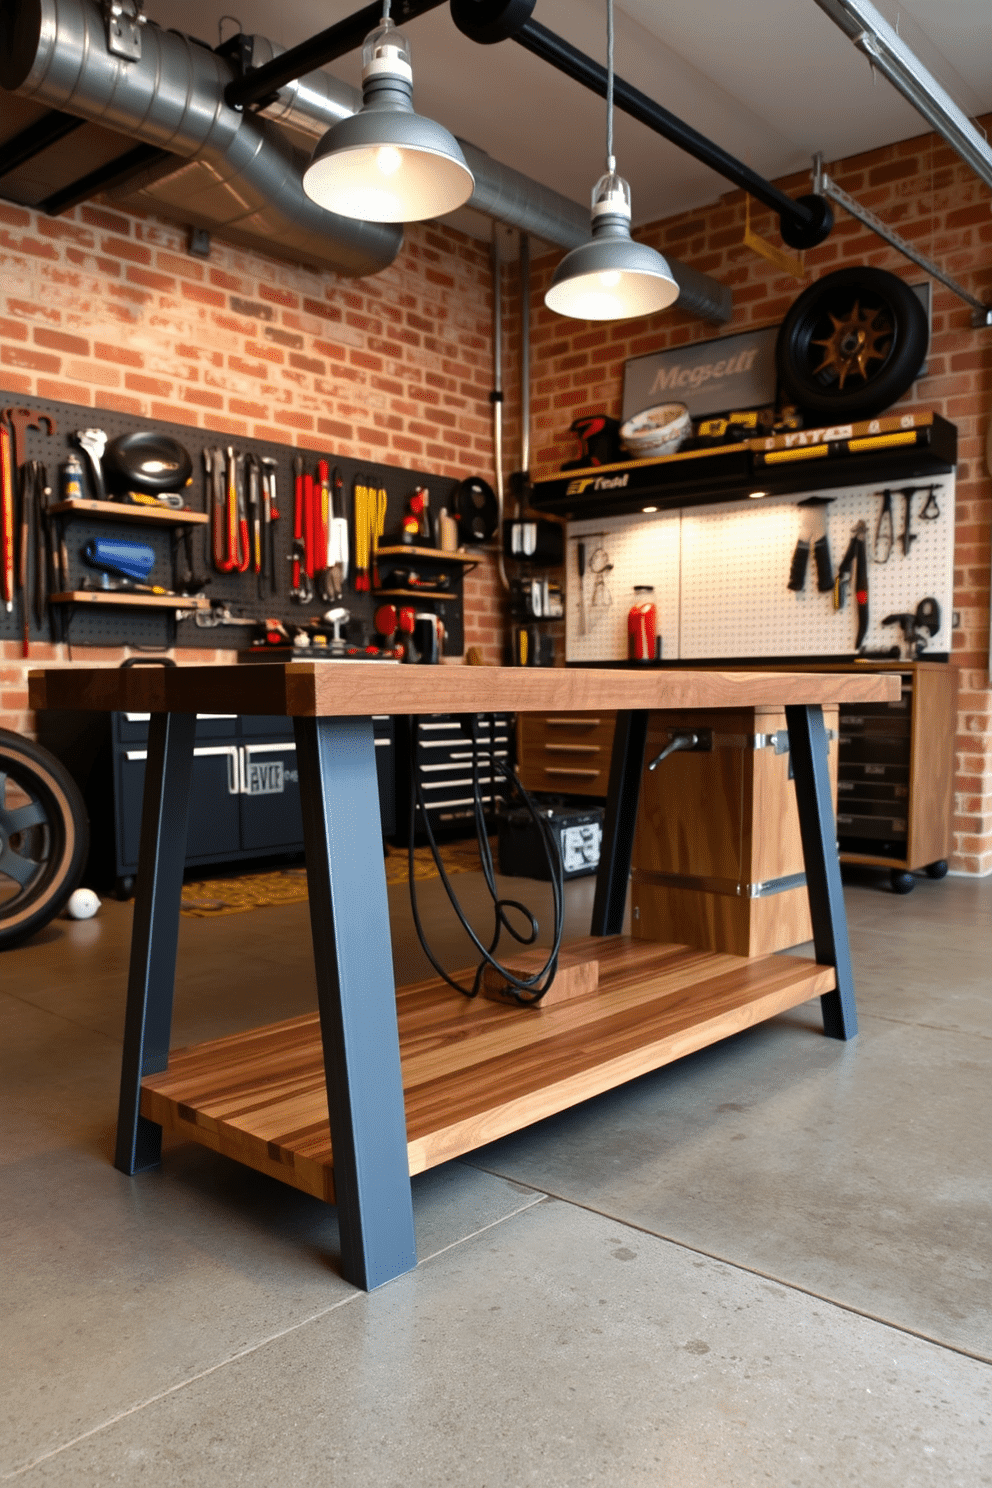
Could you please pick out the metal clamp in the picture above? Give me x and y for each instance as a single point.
(124, 20)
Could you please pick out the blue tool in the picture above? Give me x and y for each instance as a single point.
(128, 560)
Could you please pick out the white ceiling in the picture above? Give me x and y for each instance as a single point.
(771, 80)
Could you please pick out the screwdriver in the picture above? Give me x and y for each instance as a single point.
(580, 554)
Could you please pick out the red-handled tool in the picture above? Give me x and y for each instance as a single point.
(308, 524)
(7, 515)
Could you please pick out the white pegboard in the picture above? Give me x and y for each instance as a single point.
(735, 573)
(720, 576)
(642, 551)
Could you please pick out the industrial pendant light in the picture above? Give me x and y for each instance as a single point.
(611, 277)
(386, 163)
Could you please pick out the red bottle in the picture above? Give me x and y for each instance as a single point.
(642, 628)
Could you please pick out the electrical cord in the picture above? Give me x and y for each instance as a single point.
(524, 990)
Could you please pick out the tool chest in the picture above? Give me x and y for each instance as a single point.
(895, 775)
(444, 767)
(245, 794)
(873, 776)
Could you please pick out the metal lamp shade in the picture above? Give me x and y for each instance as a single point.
(611, 278)
(388, 165)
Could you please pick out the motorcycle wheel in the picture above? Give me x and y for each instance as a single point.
(851, 345)
(44, 837)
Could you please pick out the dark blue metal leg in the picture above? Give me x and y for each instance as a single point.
(808, 747)
(623, 795)
(356, 993)
(155, 935)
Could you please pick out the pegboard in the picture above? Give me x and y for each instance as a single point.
(106, 626)
(642, 551)
(725, 571)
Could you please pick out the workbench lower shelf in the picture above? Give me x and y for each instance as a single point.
(474, 1070)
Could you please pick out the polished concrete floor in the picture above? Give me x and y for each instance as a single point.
(769, 1264)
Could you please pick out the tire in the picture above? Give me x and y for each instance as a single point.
(851, 345)
(901, 881)
(936, 870)
(44, 837)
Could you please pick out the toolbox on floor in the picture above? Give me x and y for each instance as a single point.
(577, 829)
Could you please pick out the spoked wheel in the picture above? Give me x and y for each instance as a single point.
(44, 837)
(851, 344)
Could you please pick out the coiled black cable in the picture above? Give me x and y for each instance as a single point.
(525, 990)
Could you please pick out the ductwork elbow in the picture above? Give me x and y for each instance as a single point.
(55, 52)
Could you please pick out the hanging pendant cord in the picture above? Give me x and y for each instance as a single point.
(611, 163)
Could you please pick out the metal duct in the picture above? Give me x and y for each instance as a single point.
(311, 104)
(55, 52)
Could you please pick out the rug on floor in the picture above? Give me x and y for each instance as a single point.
(239, 893)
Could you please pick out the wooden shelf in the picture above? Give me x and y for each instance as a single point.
(414, 594)
(121, 512)
(124, 597)
(474, 1070)
(437, 554)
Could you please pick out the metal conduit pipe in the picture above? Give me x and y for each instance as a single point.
(55, 52)
(524, 355)
(311, 104)
(804, 222)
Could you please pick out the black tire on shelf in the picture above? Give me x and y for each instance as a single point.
(936, 870)
(902, 882)
(44, 837)
(851, 345)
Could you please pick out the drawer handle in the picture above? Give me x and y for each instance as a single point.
(583, 723)
(560, 770)
(572, 749)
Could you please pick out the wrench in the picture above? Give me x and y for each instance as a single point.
(22, 419)
(94, 442)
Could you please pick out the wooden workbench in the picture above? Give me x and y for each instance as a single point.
(380, 1083)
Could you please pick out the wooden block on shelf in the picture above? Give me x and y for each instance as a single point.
(577, 974)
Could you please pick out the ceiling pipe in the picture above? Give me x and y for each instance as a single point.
(309, 105)
(886, 50)
(172, 97)
(337, 41)
(46, 131)
(803, 223)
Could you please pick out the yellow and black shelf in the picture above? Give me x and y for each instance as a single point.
(912, 445)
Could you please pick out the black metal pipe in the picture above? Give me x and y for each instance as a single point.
(337, 41)
(582, 69)
(104, 176)
(47, 130)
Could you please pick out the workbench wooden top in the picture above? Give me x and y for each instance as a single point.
(356, 688)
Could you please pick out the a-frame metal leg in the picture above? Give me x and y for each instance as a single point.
(155, 936)
(623, 795)
(349, 913)
(808, 747)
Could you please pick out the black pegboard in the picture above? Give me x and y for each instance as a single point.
(107, 626)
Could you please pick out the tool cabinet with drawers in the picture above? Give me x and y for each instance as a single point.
(245, 794)
(566, 753)
(895, 777)
(444, 766)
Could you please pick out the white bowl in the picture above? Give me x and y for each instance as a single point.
(656, 431)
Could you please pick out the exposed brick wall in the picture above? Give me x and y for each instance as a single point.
(106, 309)
(927, 194)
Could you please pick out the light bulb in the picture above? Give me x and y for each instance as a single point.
(610, 280)
(388, 160)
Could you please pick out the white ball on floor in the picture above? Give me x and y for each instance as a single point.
(83, 905)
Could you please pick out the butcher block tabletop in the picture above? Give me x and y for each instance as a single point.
(311, 689)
